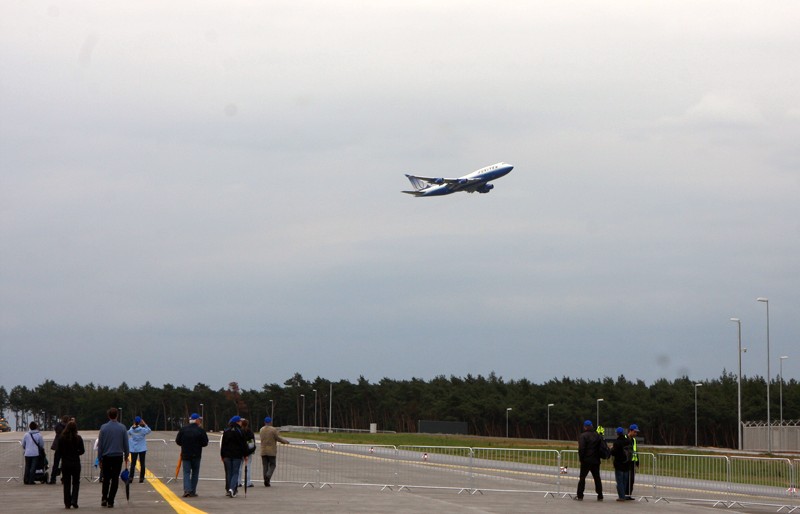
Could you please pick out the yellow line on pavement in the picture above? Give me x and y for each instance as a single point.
(180, 506)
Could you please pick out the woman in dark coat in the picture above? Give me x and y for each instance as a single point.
(70, 446)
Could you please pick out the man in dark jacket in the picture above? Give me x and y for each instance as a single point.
(621, 451)
(192, 439)
(232, 449)
(589, 456)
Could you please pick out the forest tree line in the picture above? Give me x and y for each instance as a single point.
(664, 410)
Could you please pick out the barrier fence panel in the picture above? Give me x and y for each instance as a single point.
(298, 463)
(571, 470)
(692, 476)
(504, 469)
(761, 476)
(443, 467)
(12, 461)
(358, 464)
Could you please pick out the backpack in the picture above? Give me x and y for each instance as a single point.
(604, 450)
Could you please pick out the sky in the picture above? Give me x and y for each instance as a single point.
(206, 192)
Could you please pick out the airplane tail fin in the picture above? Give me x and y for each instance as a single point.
(417, 183)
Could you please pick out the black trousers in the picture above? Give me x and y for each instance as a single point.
(631, 478)
(112, 467)
(140, 456)
(594, 469)
(71, 478)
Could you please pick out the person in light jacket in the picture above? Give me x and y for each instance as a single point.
(32, 442)
(138, 446)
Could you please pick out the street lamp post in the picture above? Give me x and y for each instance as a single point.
(120, 415)
(272, 408)
(739, 384)
(548, 419)
(315, 410)
(769, 378)
(781, 398)
(202, 411)
(304, 409)
(598, 411)
(508, 409)
(695, 412)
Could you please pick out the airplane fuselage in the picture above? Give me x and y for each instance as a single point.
(477, 181)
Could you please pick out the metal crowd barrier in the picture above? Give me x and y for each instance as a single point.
(718, 478)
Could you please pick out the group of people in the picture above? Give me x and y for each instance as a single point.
(115, 443)
(592, 448)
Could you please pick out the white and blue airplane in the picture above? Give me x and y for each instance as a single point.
(475, 181)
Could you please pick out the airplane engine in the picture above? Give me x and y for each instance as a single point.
(485, 188)
(462, 181)
(438, 181)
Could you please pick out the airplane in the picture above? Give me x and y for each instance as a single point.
(475, 181)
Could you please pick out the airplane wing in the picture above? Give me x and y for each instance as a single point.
(440, 180)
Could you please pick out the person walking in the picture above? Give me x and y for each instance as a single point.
(138, 443)
(70, 447)
(232, 450)
(56, 454)
(192, 439)
(33, 446)
(270, 437)
(113, 448)
(621, 451)
(589, 456)
(633, 431)
(250, 439)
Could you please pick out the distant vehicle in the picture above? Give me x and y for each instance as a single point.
(477, 181)
(4, 426)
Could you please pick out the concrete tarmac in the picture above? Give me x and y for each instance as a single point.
(289, 497)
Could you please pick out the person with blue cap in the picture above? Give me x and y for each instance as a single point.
(633, 431)
(138, 446)
(270, 437)
(589, 455)
(192, 438)
(233, 449)
(621, 451)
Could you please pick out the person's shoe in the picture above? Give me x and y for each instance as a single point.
(141, 480)
(599, 498)
(229, 493)
(104, 503)
(578, 498)
(630, 498)
(234, 493)
(620, 499)
(74, 505)
(186, 494)
(192, 495)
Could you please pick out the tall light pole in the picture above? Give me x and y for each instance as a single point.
(781, 402)
(330, 409)
(739, 384)
(202, 412)
(272, 409)
(315, 409)
(598, 411)
(120, 415)
(508, 409)
(695, 412)
(548, 419)
(769, 378)
(304, 409)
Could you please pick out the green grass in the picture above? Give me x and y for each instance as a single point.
(667, 466)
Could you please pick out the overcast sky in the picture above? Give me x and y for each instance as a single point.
(202, 191)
